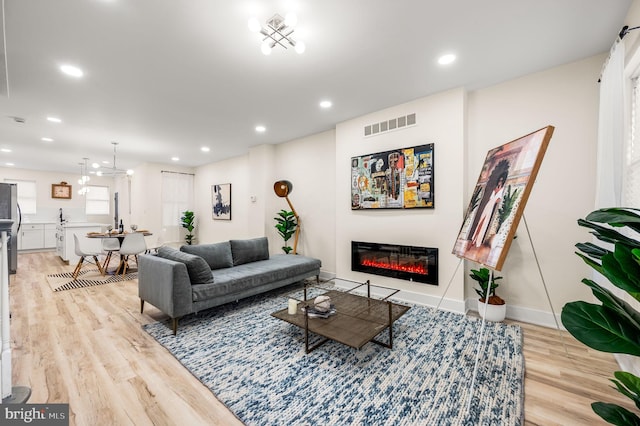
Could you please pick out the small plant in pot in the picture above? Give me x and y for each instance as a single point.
(495, 306)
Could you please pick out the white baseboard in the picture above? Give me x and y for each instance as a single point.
(410, 297)
(518, 313)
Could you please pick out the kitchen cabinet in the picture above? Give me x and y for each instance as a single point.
(65, 245)
(49, 235)
(31, 236)
(37, 236)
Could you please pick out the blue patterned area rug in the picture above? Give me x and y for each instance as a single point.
(256, 365)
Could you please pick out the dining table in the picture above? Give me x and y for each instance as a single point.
(120, 237)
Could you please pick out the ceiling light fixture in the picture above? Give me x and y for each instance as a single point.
(325, 104)
(71, 71)
(54, 119)
(47, 139)
(84, 178)
(175, 159)
(114, 170)
(205, 149)
(446, 59)
(261, 129)
(277, 32)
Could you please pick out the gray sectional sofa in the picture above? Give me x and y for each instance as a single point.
(198, 277)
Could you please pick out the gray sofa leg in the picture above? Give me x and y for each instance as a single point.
(317, 279)
(175, 325)
(141, 305)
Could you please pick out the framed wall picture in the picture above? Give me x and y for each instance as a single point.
(499, 198)
(61, 190)
(397, 179)
(221, 201)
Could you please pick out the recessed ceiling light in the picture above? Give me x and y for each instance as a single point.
(446, 59)
(54, 119)
(205, 149)
(5, 150)
(261, 129)
(95, 165)
(9, 164)
(105, 162)
(175, 159)
(325, 104)
(47, 139)
(71, 70)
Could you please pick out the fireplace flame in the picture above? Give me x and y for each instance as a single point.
(411, 268)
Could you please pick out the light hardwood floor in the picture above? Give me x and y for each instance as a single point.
(86, 347)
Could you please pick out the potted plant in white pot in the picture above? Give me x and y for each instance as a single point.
(495, 306)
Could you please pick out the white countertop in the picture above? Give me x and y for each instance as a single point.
(82, 224)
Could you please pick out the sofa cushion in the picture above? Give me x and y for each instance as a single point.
(217, 255)
(197, 268)
(251, 250)
(254, 275)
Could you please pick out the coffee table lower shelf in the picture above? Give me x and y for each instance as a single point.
(357, 321)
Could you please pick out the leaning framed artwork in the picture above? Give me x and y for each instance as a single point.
(397, 179)
(499, 198)
(221, 201)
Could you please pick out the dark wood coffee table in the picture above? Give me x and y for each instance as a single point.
(357, 321)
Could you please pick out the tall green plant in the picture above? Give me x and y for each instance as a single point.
(188, 222)
(286, 226)
(614, 325)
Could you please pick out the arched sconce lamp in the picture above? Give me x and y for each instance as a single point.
(283, 188)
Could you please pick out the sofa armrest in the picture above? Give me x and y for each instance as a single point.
(165, 284)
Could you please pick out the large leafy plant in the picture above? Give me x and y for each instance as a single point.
(286, 226)
(614, 325)
(188, 222)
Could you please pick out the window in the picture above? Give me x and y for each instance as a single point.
(26, 195)
(97, 200)
(177, 196)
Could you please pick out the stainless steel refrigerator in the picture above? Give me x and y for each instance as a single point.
(9, 209)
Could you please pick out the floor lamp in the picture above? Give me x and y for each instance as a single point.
(283, 188)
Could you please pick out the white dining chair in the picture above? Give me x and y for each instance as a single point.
(84, 254)
(109, 245)
(132, 245)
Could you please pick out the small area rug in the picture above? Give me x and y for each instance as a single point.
(86, 278)
(256, 365)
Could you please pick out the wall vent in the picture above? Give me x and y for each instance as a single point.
(389, 125)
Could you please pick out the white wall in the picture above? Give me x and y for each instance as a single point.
(565, 97)
(308, 163)
(440, 120)
(47, 207)
(146, 200)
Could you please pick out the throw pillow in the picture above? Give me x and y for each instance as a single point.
(217, 255)
(252, 250)
(197, 268)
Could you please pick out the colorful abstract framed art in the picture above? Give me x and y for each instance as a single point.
(397, 179)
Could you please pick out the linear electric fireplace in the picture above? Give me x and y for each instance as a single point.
(392, 260)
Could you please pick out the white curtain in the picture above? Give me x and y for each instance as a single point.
(611, 132)
(177, 196)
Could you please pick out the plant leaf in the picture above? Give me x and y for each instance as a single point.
(608, 235)
(601, 328)
(615, 414)
(628, 385)
(617, 217)
(592, 250)
(595, 265)
(613, 302)
(614, 270)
